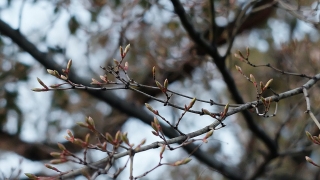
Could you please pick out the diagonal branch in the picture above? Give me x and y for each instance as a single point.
(204, 130)
(193, 33)
(123, 106)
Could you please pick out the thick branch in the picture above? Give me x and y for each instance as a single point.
(193, 33)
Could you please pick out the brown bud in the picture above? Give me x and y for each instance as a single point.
(87, 138)
(39, 89)
(82, 124)
(165, 84)
(69, 65)
(309, 136)
(104, 78)
(248, 52)
(208, 134)
(31, 176)
(268, 84)
(154, 73)
(90, 121)
(61, 146)
(63, 77)
(205, 111)
(42, 84)
(159, 85)
(191, 103)
(51, 167)
(252, 79)
(109, 138)
(126, 49)
(121, 52)
(58, 161)
(149, 107)
(55, 154)
(51, 72)
(239, 69)
(163, 148)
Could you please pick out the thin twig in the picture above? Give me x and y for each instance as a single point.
(306, 95)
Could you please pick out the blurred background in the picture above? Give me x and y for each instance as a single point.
(281, 33)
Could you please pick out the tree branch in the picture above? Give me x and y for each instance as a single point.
(180, 139)
(220, 62)
(113, 100)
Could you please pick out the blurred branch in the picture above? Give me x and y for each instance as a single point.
(193, 33)
(113, 100)
(220, 62)
(240, 19)
(32, 151)
(293, 10)
(214, 28)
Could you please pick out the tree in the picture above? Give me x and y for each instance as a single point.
(190, 44)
